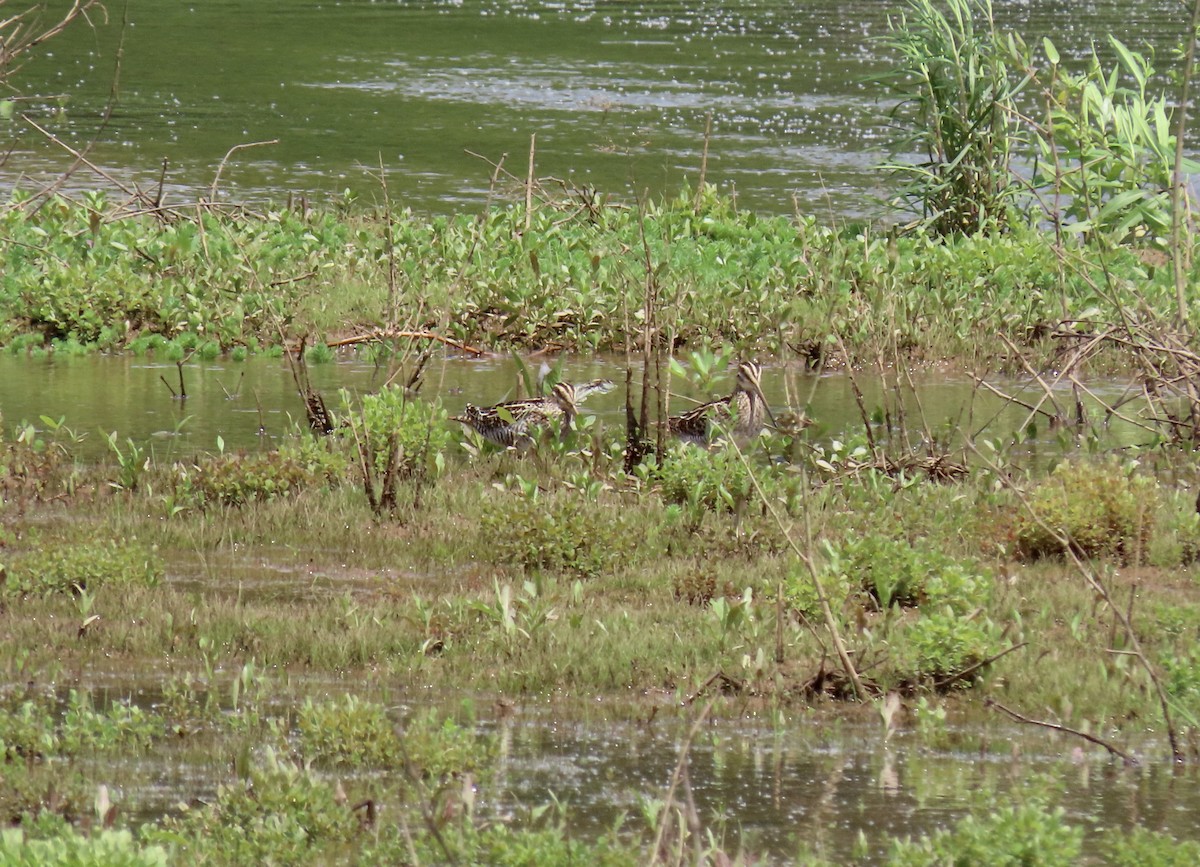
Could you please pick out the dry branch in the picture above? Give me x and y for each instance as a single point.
(1124, 756)
(391, 334)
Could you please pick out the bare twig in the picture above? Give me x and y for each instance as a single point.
(391, 334)
(1121, 754)
(212, 192)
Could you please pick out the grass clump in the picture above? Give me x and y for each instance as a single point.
(236, 479)
(105, 848)
(559, 533)
(1101, 509)
(1028, 833)
(83, 567)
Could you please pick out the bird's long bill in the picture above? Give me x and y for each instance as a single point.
(767, 406)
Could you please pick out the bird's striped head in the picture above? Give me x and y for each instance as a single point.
(563, 394)
(749, 376)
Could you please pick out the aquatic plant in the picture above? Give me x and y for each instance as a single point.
(83, 566)
(1143, 847)
(1098, 509)
(558, 534)
(728, 278)
(396, 439)
(944, 647)
(348, 731)
(104, 848)
(35, 729)
(895, 572)
(959, 109)
(1028, 832)
(235, 479)
(282, 812)
(1107, 151)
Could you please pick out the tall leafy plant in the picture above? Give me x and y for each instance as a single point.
(957, 109)
(1107, 151)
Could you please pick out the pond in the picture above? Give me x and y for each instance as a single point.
(617, 94)
(251, 404)
(765, 784)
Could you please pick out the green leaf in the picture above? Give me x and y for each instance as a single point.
(1051, 51)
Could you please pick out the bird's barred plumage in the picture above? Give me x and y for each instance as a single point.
(741, 415)
(517, 422)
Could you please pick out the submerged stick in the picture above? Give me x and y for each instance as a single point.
(1058, 727)
(212, 192)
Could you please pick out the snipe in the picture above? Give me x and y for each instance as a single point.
(741, 415)
(517, 422)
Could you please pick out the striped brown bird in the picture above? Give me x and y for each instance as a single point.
(742, 414)
(515, 423)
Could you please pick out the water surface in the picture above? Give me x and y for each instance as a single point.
(618, 95)
(252, 404)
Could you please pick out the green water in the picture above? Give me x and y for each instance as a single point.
(616, 93)
(254, 403)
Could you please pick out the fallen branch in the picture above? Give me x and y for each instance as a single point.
(212, 192)
(971, 669)
(728, 684)
(388, 334)
(1124, 756)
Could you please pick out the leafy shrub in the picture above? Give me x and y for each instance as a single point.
(359, 733)
(283, 813)
(700, 479)
(801, 592)
(439, 748)
(34, 730)
(43, 797)
(560, 534)
(348, 731)
(943, 644)
(417, 428)
(104, 848)
(83, 566)
(1102, 509)
(236, 479)
(1177, 540)
(1141, 847)
(1109, 148)
(1020, 834)
(1182, 672)
(893, 572)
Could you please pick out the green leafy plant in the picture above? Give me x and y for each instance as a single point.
(1015, 834)
(703, 479)
(959, 108)
(396, 438)
(236, 479)
(1101, 509)
(104, 848)
(83, 566)
(1109, 153)
(560, 533)
(894, 572)
(348, 731)
(1141, 847)
(943, 647)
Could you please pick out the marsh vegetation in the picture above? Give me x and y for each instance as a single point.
(928, 581)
